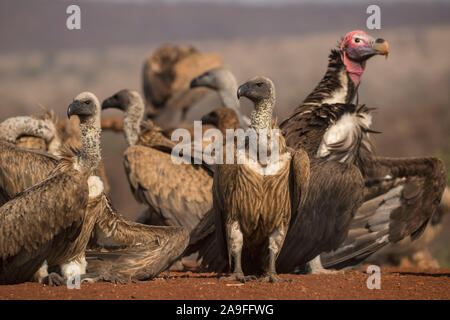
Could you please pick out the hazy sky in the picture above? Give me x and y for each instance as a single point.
(271, 2)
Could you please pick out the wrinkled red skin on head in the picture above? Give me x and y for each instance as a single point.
(355, 68)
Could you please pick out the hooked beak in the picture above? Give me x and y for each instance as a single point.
(73, 108)
(110, 102)
(242, 91)
(381, 47)
(79, 108)
(194, 83)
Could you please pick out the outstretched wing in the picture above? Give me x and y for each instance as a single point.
(321, 224)
(129, 250)
(38, 223)
(400, 205)
(180, 193)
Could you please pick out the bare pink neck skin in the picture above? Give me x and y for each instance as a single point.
(355, 69)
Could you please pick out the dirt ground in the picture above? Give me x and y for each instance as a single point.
(405, 283)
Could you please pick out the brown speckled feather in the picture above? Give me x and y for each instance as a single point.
(37, 224)
(123, 250)
(22, 168)
(181, 194)
(260, 204)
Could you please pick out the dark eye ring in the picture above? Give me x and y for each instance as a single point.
(88, 102)
(259, 84)
(357, 40)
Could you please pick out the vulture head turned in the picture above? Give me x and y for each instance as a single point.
(356, 48)
(121, 100)
(216, 79)
(85, 105)
(258, 89)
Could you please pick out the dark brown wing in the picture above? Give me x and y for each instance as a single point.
(180, 193)
(300, 173)
(37, 224)
(335, 192)
(401, 206)
(22, 168)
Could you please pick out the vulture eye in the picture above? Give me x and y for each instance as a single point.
(259, 84)
(357, 40)
(88, 102)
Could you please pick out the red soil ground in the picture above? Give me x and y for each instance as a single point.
(396, 283)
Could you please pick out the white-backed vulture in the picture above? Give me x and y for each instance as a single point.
(47, 224)
(121, 250)
(178, 194)
(35, 152)
(224, 83)
(252, 200)
(400, 195)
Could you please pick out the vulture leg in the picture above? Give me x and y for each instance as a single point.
(276, 239)
(235, 243)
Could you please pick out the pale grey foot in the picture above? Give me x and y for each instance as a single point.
(315, 267)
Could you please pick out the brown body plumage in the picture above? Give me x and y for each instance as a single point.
(177, 194)
(54, 225)
(253, 206)
(20, 166)
(336, 186)
(61, 215)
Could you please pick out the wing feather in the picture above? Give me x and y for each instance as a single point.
(181, 194)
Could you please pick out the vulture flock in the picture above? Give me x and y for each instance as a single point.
(317, 201)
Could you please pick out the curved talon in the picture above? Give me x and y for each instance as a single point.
(54, 279)
(235, 277)
(273, 278)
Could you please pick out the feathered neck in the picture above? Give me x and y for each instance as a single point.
(90, 154)
(133, 119)
(336, 85)
(13, 128)
(261, 117)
